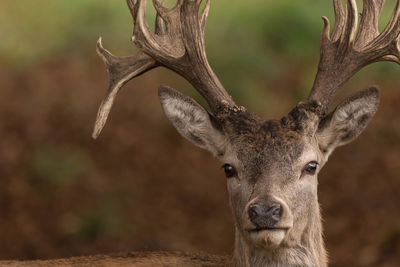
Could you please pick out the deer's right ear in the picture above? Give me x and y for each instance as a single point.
(192, 121)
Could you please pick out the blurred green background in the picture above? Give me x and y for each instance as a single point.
(143, 187)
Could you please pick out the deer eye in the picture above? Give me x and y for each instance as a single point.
(310, 168)
(229, 170)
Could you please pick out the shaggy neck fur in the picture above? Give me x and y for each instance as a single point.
(309, 252)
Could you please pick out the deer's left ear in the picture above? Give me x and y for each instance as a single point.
(348, 120)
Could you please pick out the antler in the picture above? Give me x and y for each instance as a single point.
(344, 52)
(177, 43)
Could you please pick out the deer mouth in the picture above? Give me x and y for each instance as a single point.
(266, 229)
(267, 237)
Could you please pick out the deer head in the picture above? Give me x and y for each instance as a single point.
(271, 165)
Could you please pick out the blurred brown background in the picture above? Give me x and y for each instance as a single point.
(141, 186)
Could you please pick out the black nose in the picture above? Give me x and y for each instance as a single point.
(265, 216)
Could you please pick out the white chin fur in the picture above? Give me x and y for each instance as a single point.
(268, 238)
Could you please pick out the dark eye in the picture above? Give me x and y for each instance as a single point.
(229, 170)
(310, 168)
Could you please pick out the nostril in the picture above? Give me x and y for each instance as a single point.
(253, 214)
(275, 211)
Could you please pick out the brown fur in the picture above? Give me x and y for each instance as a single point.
(138, 259)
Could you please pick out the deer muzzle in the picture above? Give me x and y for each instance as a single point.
(267, 221)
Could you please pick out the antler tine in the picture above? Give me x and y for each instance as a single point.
(388, 39)
(350, 27)
(120, 71)
(160, 8)
(344, 52)
(369, 22)
(204, 15)
(394, 20)
(339, 20)
(179, 46)
(160, 16)
(132, 8)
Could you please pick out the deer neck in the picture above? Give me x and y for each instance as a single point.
(309, 251)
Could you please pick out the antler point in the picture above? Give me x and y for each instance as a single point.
(325, 32)
(94, 136)
(100, 42)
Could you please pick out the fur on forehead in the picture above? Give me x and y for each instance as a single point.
(254, 139)
(302, 121)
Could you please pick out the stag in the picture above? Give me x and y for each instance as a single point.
(271, 165)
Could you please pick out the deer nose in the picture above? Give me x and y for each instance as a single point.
(265, 216)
